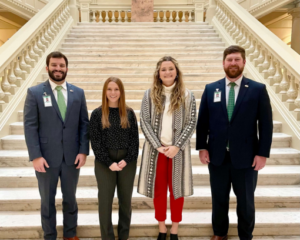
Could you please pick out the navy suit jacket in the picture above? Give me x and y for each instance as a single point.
(47, 135)
(252, 115)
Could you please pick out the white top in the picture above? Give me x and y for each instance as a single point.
(166, 130)
(236, 89)
(63, 90)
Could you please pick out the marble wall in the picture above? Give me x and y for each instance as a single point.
(142, 10)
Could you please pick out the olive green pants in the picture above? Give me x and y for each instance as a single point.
(107, 181)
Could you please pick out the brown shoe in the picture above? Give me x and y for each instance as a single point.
(72, 238)
(214, 237)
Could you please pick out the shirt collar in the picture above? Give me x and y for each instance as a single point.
(237, 82)
(53, 85)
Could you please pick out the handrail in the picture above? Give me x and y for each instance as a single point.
(278, 63)
(22, 51)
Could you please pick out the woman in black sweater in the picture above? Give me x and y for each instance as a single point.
(115, 142)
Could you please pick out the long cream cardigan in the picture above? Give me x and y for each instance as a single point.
(183, 124)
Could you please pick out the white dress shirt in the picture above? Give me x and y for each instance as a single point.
(236, 88)
(63, 90)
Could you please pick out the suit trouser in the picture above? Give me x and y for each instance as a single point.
(47, 186)
(107, 181)
(244, 183)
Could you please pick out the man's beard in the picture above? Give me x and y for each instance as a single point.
(234, 73)
(62, 78)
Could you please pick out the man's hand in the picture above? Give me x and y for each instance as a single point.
(39, 164)
(171, 151)
(122, 164)
(114, 167)
(80, 159)
(259, 163)
(204, 156)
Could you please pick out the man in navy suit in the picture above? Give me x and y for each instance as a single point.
(56, 133)
(233, 112)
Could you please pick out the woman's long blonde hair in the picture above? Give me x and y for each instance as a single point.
(178, 93)
(122, 105)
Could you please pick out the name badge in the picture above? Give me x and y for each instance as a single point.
(47, 101)
(217, 96)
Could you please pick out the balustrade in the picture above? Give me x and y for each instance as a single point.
(281, 75)
(98, 15)
(15, 71)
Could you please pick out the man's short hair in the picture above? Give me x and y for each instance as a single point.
(234, 49)
(56, 55)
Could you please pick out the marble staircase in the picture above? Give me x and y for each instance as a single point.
(130, 51)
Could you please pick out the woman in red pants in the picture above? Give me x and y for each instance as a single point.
(168, 118)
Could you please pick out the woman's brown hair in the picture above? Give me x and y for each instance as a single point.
(121, 104)
(178, 93)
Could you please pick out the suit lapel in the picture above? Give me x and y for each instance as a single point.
(70, 92)
(48, 91)
(242, 92)
(222, 88)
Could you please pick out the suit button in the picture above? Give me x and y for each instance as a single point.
(61, 141)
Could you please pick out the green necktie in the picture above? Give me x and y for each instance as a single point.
(61, 102)
(231, 100)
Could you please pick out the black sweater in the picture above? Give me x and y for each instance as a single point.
(114, 137)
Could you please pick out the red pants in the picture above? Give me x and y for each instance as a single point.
(163, 179)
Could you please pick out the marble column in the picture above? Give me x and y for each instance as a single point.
(199, 10)
(85, 10)
(296, 27)
(210, 13)
(74, 11)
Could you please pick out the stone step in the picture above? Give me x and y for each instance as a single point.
(72, 77)
(146, 51)
(137, 39)
(28, 199)
(195, 223)
(109, 35)
(19, 177)
(140, 63)
(17, 142)
(168, 25)
(278, 156)
(192, 85)
(17, 128)
(141, 45)
(141, 70)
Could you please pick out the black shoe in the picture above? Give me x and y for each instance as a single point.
(173, 236)
(162, 236)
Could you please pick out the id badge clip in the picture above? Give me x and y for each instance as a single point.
(47, 100)
(217, 95)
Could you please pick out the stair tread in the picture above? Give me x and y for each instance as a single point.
(264, 217)
(269, 193)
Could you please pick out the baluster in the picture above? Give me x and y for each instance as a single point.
(222, 16)
(217, 11)
(103, 13)
(233, 29)
(32, 54)
(2, 96)
(6, 87)
(25, 68)
(237, 32)
(129, 15)
(284, 84)
(243, 39)
(18, 72)
(36, 49)
(265, 65)
(161, 16)
(240, 36)
(117, 15)
(259, 61)
(230, 25)
(55, 25)
(278, 75)
(254, 56)
(40, 44)
(247, 43)
(63, 16)
(251, 48)
(297, 100)
(27, 59)
(271, 71)
(47, 36)
(52, 28)
(12, 79)
(43, 40)
(226, 20)
(93, 12)
(50, 33)
(58, 23)
(292, 93)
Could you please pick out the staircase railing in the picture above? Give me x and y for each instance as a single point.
(23, 56)
(271, 59)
